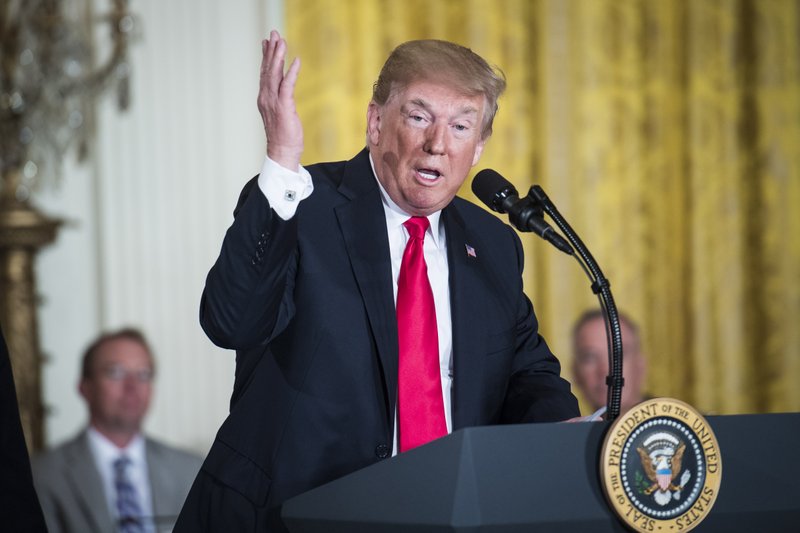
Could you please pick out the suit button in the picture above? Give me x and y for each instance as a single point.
(381, 451)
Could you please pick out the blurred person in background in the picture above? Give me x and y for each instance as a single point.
(590, 360)
(111, 477)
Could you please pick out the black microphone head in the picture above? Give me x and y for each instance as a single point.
(491, 188)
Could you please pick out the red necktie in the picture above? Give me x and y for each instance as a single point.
(420, 406)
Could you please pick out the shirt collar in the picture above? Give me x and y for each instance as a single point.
(107, 452)
(395, 216)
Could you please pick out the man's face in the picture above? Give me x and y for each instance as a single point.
(591, 364)
(119, 388)
(423, 141)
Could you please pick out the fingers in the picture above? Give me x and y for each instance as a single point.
(290, 80)
(273, 82)
(267, 51)
(269, 46)
(276, 104)
(272, 61)
(276, 63)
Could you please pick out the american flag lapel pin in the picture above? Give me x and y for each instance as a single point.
(470, 251)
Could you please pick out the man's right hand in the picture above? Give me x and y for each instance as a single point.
(276, 104)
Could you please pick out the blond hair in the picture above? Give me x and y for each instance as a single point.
(441, 62)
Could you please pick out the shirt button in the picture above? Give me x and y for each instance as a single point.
(381, 451)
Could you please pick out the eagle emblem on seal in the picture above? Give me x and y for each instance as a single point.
(661, 455)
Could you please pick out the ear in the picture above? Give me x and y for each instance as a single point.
(83, 389)
(478, 151)
(373, 123)
(641, 367)
(577, 375)
(637, 372)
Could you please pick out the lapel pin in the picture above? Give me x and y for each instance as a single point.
(470, 251)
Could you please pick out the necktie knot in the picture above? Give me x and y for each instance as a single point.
(417, 226)
(121, 465)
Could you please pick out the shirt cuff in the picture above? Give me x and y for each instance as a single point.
(284, 188)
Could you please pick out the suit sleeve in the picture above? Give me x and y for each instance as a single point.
(42, 472)
(244, 300)
(536, 390)
(20, 509)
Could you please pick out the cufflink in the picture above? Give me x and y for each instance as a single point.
(289, 195)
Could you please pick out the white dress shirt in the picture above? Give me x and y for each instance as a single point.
(285, 189)
(105, 453)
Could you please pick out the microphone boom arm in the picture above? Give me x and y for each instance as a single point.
(602, 288)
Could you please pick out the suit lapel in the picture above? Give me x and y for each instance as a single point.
(466, 308)
(87, 484)
(363, 225)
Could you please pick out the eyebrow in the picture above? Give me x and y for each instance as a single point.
(466, 110)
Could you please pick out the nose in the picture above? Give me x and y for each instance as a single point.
(131, 382)
(435, 139)
(600, 372)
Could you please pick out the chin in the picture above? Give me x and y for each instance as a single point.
(426, 207)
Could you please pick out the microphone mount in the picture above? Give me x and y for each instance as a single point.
(602, 288)
(527, 214)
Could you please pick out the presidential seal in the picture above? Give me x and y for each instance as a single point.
(661, 467)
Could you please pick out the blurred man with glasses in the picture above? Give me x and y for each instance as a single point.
(111, 477)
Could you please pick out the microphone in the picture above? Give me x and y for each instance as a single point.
(526, 214)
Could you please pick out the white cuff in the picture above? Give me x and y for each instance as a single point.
(284, 188)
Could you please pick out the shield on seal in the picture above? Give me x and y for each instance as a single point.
(663, 473)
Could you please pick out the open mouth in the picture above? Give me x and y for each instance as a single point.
(428, 174)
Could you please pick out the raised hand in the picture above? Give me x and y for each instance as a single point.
(276, 103)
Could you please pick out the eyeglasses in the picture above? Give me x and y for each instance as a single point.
(118, 373)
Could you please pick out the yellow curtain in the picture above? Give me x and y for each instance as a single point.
(666, 132)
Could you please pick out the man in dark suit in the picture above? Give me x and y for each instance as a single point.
(371, 310)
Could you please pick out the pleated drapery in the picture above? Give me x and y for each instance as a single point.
(666, 132)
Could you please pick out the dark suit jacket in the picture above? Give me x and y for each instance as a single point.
(72, 494)
(19, 506)
(308, 304)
